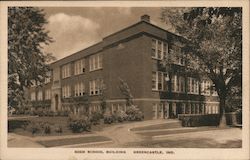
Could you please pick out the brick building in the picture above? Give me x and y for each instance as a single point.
(135, 55)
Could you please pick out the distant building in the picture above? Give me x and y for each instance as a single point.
(135, 55)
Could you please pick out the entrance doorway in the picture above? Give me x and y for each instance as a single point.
(56, 102)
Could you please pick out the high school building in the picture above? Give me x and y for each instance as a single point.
(135, 55)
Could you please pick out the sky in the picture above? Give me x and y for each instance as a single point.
(76, 28)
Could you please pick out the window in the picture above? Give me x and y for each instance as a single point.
(158, 81)
(33, 96)
(66, 71)
(193, 85)
(178, 56)
(47, 79)
(95, 62)
(95, 86)
(66, 91)
(154, 80)
(159, 49)
(174, 83)
(165, 50)
(79, 66)
(178, 84)
(205, 87)
(40, 96)
(47, 94)
(153, 52)
(79, 89)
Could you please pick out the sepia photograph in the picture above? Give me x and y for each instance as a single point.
(114, 80)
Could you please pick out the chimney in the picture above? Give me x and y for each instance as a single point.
(145, 18)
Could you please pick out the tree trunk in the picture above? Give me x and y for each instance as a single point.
(223, 122)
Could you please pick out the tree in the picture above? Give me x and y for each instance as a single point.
(125, 90)
(27, 62)
(214, 37)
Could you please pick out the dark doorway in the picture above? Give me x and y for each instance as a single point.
(56, 102)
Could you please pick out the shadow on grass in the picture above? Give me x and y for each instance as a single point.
(72, 141)
(186, 143)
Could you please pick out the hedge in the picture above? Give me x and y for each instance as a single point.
(195, 120)
(14, 124)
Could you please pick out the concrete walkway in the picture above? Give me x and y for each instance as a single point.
(19, 141)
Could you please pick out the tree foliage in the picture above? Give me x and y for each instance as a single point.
(125, 90)
(27, 61)
(213, 37)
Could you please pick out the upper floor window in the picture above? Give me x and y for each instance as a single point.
(178, 57)
(79, 66)
(66, 71)
(95, 86)
(178, 84)
(47, 94)
(158, 79)
(33, 96)
(79, 89)
(193, 85)
(159, 49)
(95, 62)
(47, 79)
(206, 88)
(66, 91)
(56, 74)
(40, 95)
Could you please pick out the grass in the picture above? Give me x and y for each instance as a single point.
(186, 143)
(72, 141)
(158, 126)
(184, 130)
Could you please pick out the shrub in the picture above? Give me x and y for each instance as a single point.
(108, 118)
(26, 112)
(45, 112)
(34, 127)
(58, 129)
(50, 113)
(79, 124)
(47, 128)
(239, 116)
(14, 124)
(40, 112)
(195, 120)
(95, 118)
(121, 116)
(134, 113)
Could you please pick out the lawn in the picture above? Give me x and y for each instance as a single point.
(72, 141)
(158, 126)
(186, 143)
(184, 130)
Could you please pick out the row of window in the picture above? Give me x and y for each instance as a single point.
(40, 95)
(95, 63)
(159, 109)
(160, 83)
(161, 50)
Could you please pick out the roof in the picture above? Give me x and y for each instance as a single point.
(98, 46)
